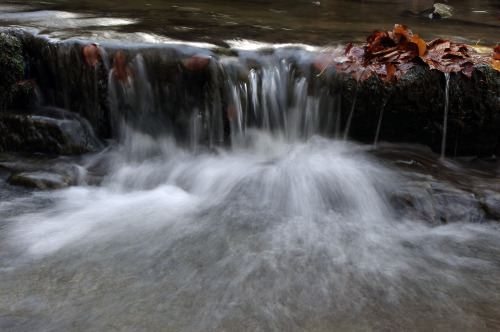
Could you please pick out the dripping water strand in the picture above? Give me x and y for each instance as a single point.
(379, 124)
(445, 123)
(348, 123)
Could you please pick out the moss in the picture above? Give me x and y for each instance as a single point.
(11, 68)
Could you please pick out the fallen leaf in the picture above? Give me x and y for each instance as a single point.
(422, 45)
(495, 64)
(121, 71)
(399, 34)
(197, 62)
(92, 54)
(468, 69)
(496, 53)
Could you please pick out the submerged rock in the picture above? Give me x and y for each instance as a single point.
(41, 171)
(440, 10)
(40, 180)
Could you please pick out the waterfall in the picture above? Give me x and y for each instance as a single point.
(226, 199)
(445, 120)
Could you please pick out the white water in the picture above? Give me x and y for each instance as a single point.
(273, 236)
(445, 117)
(286, 230)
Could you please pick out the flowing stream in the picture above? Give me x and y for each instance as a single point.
(283, 230)
(234, 204)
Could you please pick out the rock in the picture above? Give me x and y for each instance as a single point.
(441, 10)
(413, 201)
(36, 132)
(41, 171)
(11, 68)
(39, 180)
(491, 204)
(414, 109)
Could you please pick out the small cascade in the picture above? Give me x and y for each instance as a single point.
(445, 122)
(161, 91)
(379, 123)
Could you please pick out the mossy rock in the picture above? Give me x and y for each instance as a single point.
(11, 68)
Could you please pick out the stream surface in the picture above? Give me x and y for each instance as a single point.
(272, 21)
(287, 227)
(278, 235)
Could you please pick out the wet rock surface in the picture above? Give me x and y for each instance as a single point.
(40, 171)
(438, 191)
(47, 131)
(39, 180)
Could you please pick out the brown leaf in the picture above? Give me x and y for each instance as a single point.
(409, 51)
(371, 38)
(385, 71)
(364, 74)
(355, 52)
(496, 53)
(435, 42)
(399, 34)
(197, 62)
(468, 69)
(121, 71)
(422, 46)
(495, 64)
(402, 69)
(92, 54)
(442, 46)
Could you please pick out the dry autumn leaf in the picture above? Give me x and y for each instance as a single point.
(391, 54)
(422, 46)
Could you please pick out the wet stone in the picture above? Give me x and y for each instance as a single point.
(40, 180)
(491, 204)
(44, 134)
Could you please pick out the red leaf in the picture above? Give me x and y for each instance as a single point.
(496, 53)
(121, 71)
(92, 54)
(197, 62)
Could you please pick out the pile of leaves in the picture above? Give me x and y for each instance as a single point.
(391, 54)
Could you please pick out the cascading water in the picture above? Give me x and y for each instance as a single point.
(285, 230)
(445, 117)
